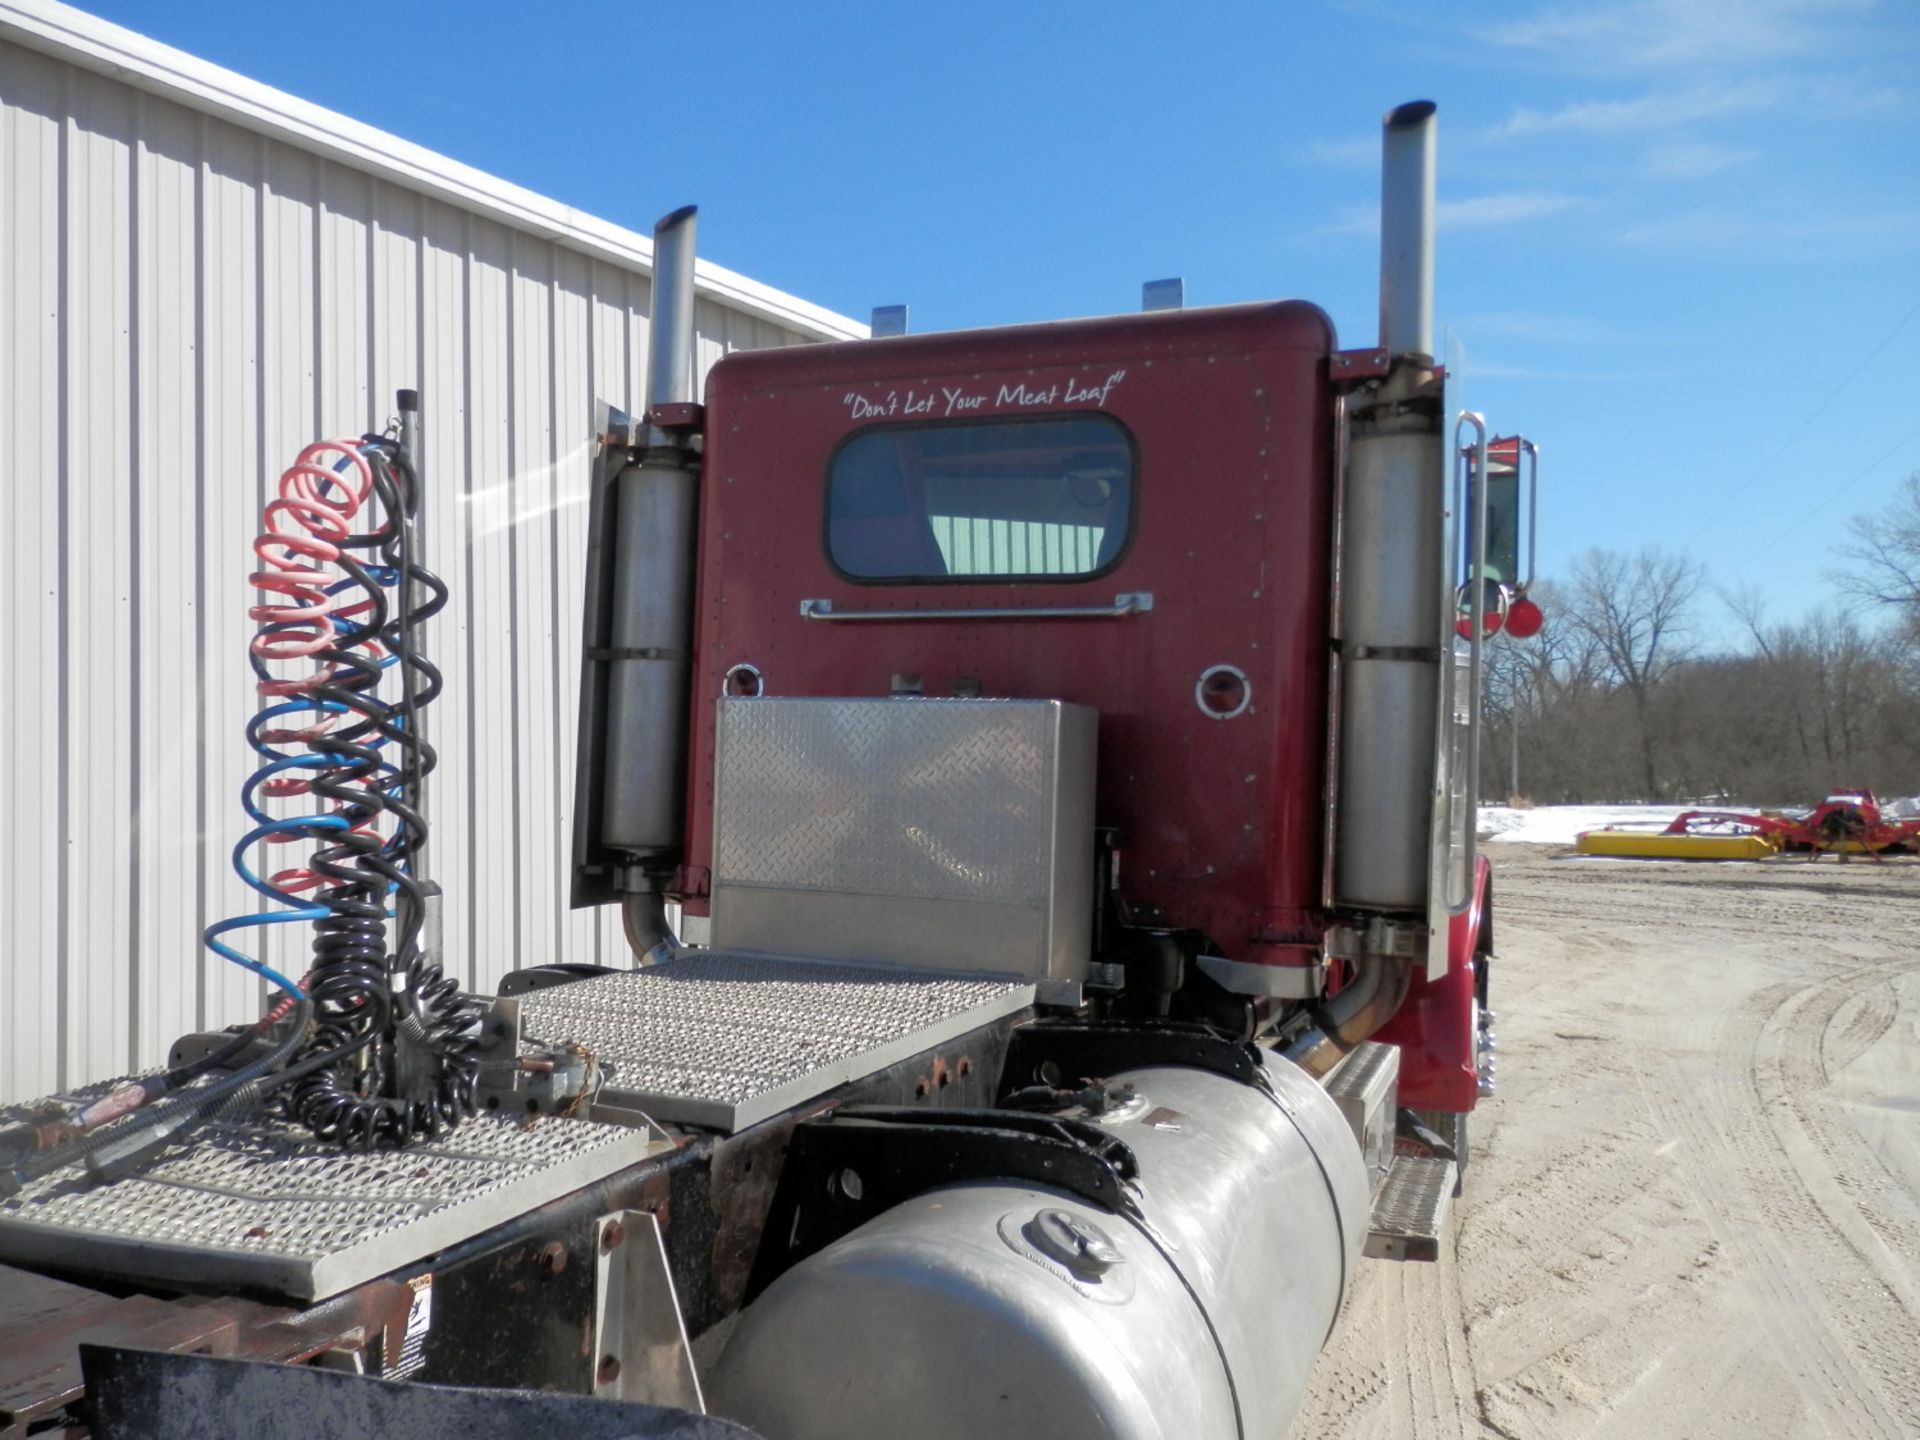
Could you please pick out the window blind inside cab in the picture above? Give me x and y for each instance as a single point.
(1048, 497)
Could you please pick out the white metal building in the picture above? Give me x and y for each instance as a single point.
(199, 275)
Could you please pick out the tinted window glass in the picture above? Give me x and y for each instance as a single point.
(1002, 500)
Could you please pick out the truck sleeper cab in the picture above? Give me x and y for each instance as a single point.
(1135, 514)
(1129, 514)
(1053, 729)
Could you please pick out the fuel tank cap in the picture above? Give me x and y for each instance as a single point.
(1073, 1248)
(1080, 1245)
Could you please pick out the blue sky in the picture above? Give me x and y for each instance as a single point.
(1680, 239)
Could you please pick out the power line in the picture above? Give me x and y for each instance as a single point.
(1801, 429)
(1837, 491)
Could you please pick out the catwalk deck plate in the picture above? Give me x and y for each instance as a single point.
(719, 1040)
(264, 1207)
(725, 1040)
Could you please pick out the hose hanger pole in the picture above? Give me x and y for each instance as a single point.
(1461, 901)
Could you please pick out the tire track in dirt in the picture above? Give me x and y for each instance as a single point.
(1397, 1374)
(1841, 1174)
(1869, 1015)
(1696, 1202)
(1693, 1210)
(1835, 1328)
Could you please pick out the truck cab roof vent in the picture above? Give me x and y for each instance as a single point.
(1164, 294)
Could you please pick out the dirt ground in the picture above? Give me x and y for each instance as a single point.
(1693, 1209)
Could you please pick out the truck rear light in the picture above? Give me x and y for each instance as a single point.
(1524, 620)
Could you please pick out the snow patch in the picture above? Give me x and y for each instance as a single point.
(1562, 824)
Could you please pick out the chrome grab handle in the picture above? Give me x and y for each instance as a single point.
(1476, 580)
(1132, 603)
(1533, 510)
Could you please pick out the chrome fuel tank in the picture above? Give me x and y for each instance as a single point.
(1000, 1310)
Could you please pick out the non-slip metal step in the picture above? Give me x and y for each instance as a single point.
(714, 1039)
(725, 1040)
(1410, 1209)
(264, 1206)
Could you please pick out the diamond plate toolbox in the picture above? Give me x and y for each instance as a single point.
(951, 834)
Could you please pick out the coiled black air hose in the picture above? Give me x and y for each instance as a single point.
(393, 1053)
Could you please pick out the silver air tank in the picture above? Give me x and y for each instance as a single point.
(1392, 560)
(1000, 1309)
(650, 633)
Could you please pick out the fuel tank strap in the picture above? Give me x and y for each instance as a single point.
(1325, 1178)
(1083, 1051)
(1206, 1318)
(849, 1167)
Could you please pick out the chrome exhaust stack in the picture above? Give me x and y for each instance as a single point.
(1407, 167)
(1393, 561)
(1393, 643)
(670, 340)
(631, 787)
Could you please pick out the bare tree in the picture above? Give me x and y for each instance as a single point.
(1747, 602)
(1541, 693)
(1809, 708)
(1637, 611)
(1883, 556)
(1609, 701)
(1563, 663)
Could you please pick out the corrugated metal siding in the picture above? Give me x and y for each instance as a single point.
(184, 303)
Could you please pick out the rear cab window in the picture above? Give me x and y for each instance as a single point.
(1040, 498)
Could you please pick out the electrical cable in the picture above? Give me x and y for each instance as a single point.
(219, 1059)
(374, 1049)
(1800, 429)
(138, 1135)
(1835, 492)
(392, 1057)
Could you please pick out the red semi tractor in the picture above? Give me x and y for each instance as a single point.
(1132, 514)
(1037, 766)
(1176, 520)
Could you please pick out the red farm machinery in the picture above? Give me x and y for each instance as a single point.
(1846, 823)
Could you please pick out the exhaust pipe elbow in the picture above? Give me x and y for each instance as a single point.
(644, 915)
(1379, 984)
